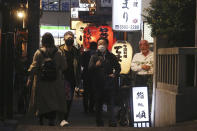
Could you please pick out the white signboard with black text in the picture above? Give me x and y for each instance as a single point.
(140, 107)
(126, 15)
(74, 13)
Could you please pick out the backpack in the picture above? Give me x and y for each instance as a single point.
(48, 71)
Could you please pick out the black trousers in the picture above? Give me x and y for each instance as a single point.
(105, 96)
(142, 80)
(69, 103)
(88, 97)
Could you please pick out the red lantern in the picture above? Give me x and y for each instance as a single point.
(93, 33)
(90, 35)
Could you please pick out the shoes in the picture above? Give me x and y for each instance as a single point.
(64, 123)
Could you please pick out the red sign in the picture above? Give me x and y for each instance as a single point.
(93, 33)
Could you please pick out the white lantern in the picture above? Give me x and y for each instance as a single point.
(123, 51)
(80, 26)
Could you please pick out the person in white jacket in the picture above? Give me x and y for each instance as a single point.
(142, 62)
(142, 65)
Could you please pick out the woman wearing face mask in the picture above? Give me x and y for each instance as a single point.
(105, 67)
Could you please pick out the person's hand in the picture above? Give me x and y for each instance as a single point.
(98, 63)
(112, 75)
(145, 67)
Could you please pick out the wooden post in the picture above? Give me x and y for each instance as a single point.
(195, 74)
(33, 28)
(125, 36)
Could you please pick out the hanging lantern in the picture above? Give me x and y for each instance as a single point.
(123, 51)
(80, 26)
(93, 33)
(90, 35)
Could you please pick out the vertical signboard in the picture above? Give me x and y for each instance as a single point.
(126, 15)
(74, 13)
(140, 107)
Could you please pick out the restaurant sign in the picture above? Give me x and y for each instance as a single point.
(126, 15)
(140, 107)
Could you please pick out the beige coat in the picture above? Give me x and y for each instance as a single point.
(48, 96)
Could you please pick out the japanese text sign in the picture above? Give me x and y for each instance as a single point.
(126, 15)
(123, 51)
(140, 104)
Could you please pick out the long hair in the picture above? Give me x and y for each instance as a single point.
(48, 40)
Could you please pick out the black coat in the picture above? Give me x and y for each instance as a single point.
(109, 65)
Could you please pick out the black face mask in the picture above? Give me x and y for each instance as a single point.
(69, 42)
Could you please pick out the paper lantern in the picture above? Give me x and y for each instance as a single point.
(90, 35)
(123, 51)
(80, 26)
(93, 33)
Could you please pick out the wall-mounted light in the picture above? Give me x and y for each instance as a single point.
(20, 14)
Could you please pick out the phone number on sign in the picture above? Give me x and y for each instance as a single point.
(129, 27)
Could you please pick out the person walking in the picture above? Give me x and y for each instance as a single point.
(46, 75)
(72, 74)
(105, 69)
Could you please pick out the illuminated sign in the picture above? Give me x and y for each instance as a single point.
(123, 51)
(140, 107)
(75, 12)
(59, 5)
(126, 15)
(56, 31)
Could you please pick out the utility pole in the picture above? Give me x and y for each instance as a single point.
(195, 77)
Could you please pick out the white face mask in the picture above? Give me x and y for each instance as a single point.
(101, 48)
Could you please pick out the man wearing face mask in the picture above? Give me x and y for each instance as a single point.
(72, 74)
(105, 67)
